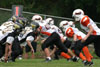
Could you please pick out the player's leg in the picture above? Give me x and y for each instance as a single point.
(49, 41)
(97, 45)
(62, 47)
(9, 42)
(87, 53)
(16, 50)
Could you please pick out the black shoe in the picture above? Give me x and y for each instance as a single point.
(85, 62)
(47, 60)
(90, 63)
(75, 59)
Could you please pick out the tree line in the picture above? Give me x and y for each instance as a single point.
(63, 8)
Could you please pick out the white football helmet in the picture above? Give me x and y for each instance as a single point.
(77, 14)
(50, 21)
(37, 18)
(71, 24)
(63, 24)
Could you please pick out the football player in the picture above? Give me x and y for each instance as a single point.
(72, 32)
(28, 35)
(90, 27)
(55, 37)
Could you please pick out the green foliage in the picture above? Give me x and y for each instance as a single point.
(4, 16)
(62, 8)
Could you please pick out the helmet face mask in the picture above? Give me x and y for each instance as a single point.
(51, 22)
(77, 17)
(35, 27)
(63, 25)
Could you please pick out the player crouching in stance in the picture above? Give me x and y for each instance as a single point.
(89, 26)
(54, 38)
(8, 31)
(72, 32)
(28, 35)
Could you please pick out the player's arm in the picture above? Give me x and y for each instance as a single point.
(75, 37)
(90, 31)
(62, 39)
(29, 40)
(29, 44)
(86, 22)
(38, 37)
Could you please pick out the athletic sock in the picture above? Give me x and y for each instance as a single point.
(82, 56)
(65, 55)
(87, 53)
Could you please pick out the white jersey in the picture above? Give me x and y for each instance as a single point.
(44, 26)
(6, 28)
(2, 36)
(23, 36)
(52, 29)
(24, 33)
(85, 22)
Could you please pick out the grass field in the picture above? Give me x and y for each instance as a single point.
(40, 63)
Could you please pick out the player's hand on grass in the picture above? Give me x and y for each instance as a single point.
(6, 58)
(32, 50)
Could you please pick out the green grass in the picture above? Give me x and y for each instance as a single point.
(40, 63)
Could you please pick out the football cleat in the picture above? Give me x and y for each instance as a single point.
(75, 59)
(47, 60)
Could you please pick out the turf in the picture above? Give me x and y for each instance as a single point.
(41, 63)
